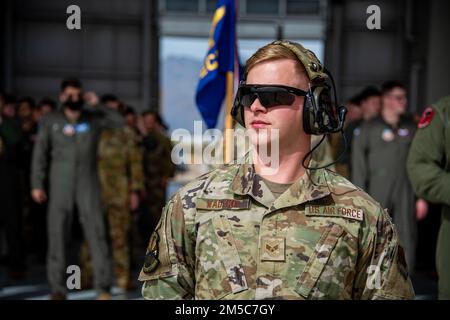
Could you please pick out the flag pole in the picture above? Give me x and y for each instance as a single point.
(228, 145)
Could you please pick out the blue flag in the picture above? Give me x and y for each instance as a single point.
(219, 59)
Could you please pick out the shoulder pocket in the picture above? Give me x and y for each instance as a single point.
(220, 267)
(157, 258)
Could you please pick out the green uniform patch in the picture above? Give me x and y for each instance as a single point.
(151, 257)
(220, 204)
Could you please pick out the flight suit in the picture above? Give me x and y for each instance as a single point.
(379, 154)
(429, 170)
(225, 236)
(70, 152)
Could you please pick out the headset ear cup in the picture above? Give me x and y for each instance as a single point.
(308, 114)
(319, 116)
(329, 114)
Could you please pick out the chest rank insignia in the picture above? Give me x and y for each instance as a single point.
(273, 248)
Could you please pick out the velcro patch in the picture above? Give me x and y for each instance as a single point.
(273, 249)
(151, 257)
(220, 204)
(426, 118)
(335, 212)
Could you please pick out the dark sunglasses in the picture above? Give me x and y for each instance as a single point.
(268, 95)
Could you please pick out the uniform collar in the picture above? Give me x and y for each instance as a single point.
(311, 186)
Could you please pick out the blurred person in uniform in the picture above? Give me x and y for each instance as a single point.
(341, 149)
(26, 106)
(135, 123)
(429, 171)
(122, 180)
(363, 107)
(38, 211)
(370, 102)
(11, 188)
(131, 118)
(248, 231)
(66, 150)
(2, 102)
(158, 169)
(45, 106)
(25, 112)
(379, 154)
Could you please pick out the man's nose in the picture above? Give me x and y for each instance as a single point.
(75, 97)
(257, 106)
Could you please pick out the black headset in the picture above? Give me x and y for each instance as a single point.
(321, 115)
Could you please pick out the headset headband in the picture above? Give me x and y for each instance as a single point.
(315, 70)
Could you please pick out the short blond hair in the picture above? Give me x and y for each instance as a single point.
(273, 51)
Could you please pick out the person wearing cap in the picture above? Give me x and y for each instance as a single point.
(379, 151)
(251, 230)
(428, 168)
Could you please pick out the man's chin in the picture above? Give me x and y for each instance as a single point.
(259, 139)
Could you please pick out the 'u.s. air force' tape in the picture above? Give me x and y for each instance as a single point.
(335, 211)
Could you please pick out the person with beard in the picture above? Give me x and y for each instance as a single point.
(379, 154)
(67, 143)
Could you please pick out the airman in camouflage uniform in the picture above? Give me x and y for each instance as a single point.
(121, 173)
(121, 177)
(235, 233)
(225, 236)
(158, 167)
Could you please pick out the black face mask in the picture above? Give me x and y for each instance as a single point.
(74, 105)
